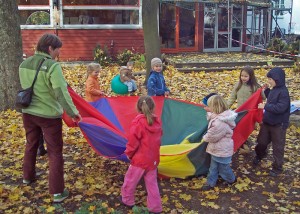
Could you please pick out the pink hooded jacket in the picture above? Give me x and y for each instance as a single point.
(144, 143)
(219, 133)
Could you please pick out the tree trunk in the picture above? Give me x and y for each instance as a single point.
(10, 53)
(150, 27)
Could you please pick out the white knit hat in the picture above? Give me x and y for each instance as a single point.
(155, 61)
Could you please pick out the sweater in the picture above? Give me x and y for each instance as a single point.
(50, 94)
(242, 95)
(92, 89)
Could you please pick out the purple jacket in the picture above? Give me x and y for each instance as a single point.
(219, 133)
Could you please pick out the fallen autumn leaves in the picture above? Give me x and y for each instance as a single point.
(95, 181)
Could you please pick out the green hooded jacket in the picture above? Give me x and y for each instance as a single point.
(50, 94)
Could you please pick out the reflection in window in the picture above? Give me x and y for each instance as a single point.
(101, 2)
(223, 41)
(167, 25)
(33, 2)
(32, 17)
(209, 25)
(236, 37)
(101, 17)
(187, 27)
(237, 18)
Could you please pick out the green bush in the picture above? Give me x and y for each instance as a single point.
(277, 45)
(102, 56)
(127, 55)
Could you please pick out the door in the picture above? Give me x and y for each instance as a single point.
(222, 27)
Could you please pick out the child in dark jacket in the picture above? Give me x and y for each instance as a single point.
(275, 120)
(142, 150)
(156, 84)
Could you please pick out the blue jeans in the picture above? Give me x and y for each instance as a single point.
(216, 169)
(131, 85)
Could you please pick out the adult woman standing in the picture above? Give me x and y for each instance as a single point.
(43, 115)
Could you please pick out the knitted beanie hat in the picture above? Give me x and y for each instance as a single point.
(155, 61)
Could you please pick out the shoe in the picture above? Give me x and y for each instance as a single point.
(41, 152)
(27, 182)
(231, 183)
(256, 161)
(121, 201)
(60, 197)
(206, 187)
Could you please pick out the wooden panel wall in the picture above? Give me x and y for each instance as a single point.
(80, 44)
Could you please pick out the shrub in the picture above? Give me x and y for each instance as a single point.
(277, 45)
(102, 56)
(128, 55)
(125, 56)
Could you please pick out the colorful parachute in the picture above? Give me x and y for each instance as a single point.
(106, 122)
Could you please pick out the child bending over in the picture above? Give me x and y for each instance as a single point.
(221, 122)
(142, 150)
(127, 78)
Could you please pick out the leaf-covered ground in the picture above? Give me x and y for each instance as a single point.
(95, 181)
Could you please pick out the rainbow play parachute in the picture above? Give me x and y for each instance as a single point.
(106, 122)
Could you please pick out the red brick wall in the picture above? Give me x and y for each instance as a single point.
(80, 44)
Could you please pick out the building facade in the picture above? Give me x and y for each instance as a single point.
(184, 26)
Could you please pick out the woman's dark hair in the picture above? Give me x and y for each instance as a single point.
(48, 40)
(252, 79)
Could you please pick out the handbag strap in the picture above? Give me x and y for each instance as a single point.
(37, 71)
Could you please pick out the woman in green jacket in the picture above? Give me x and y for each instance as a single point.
(44, 114)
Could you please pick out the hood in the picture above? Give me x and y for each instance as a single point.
(226, 117)
(278, 75)
(142, 120)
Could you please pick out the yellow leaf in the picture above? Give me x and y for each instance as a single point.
(50, 209)
(185, 197)
(212, 196)
(92, 208)
(213, 205)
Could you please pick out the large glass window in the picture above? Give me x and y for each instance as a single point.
(35, 12)
(73, 17)
(95, 14)
(101, 12)
(101, 2)
(33, 2)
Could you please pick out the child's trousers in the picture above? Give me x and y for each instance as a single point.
(276, 135)
(131, 180)
(216, 169)
(131, 85)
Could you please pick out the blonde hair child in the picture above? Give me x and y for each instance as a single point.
(221, 122)
(92, 86)
(142, 150)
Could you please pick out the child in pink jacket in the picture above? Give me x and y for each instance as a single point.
(142, 150)
(220, 143)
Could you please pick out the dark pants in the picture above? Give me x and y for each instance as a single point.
(41, 143)
(276, 135)
(52, 129)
